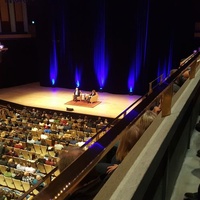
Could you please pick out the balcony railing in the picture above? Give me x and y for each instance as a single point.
(97, 147)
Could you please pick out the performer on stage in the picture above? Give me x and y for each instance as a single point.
(93, 93)
(77, 93)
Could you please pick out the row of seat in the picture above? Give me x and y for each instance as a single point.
(42, 167)
(16, 184)
(39, 150)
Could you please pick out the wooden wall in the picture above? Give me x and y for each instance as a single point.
(13, 17)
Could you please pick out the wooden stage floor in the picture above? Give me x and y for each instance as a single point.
(37, 96)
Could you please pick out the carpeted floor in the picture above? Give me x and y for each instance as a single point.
(82, 103)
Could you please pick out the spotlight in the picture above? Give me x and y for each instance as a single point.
(100, 89)
(53, 82)
(130, 91)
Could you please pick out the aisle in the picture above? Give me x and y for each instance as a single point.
(189, 176)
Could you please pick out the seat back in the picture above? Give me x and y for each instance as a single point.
(26, 185)
(18, 185)
(9, 182)
(2, 180)
(94, 98)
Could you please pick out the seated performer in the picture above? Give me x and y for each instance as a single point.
(93, 93)
(77, 93)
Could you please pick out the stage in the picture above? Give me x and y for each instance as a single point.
(37, 96)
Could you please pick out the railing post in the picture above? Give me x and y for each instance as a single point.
(161, 78)
(193, 69)
(150, 88)
(167, 101)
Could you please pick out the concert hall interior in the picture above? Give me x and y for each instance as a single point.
(126, 51)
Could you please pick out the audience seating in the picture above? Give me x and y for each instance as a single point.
(9, 182)
(43, 149)
(26, 185)
(3, 168)
(37, 148)
(25, 155)
(41, 168)
(18, 185)
(2, 180)
(48, 168)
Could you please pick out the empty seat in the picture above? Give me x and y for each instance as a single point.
(25, 154)
(9, 182)
(41, 168)
(37, 148)
(44, 149)
(48, 168)
(26, 185)
(3, 168)
(2, 180)
(18, 185)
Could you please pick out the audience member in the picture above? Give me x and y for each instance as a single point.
(73, 140)
(193, 196)
(30, 169)
(145, 120)
(66, 157)
(129, 138)
(3, 160)
(21, 166)
(34, 128)
(12, 152)
(8, 173)
(3, 149)
(38, 141)
(19, 175)
(180, 80)
(18, 145)
(30, 140)
(2, 195)
(58, 146)
(11, 163)
(10, 143)
(50, 161)
(16, 137)
(27, 177)
(36, 180)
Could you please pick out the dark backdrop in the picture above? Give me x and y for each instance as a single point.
(157, 34)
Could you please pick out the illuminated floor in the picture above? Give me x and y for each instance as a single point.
(55, 98)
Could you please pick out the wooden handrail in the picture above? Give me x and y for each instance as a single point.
(67, 181)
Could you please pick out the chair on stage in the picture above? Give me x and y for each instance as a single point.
(78, 98)
(94, 98)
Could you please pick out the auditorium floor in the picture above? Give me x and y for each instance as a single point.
(189, 176)
(55, 98)
(111, 106)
